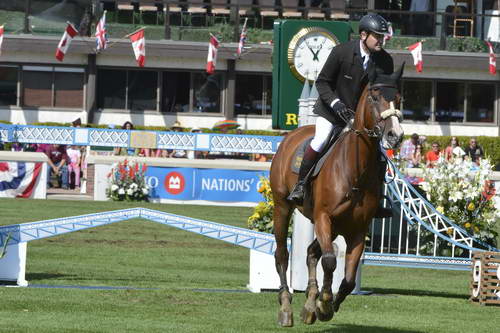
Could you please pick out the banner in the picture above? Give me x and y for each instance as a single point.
(225, 185)
(18, 179)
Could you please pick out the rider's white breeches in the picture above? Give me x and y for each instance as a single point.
(323, 129)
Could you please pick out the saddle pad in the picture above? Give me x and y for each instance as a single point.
(299, 155)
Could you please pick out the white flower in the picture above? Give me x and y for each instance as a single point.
(145, 191)
(130, 191)
(456, 195)
(114, 187)
(121, 191)
(133, 186)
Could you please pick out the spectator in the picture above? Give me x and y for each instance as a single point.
(433, 156)
(177, 153)
(408, 148)
(260, 158)
(57, 163)
(126, 151)
(77, 123)
(453, 150)
(74, 163)
(192, 154)
(474, 151)
(417, 157)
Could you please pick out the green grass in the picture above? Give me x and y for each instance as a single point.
(175, 264)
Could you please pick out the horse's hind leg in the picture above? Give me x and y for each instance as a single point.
(282, 213)
(308, 313)
(324, 234)
(355, 246)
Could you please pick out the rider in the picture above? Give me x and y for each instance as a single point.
(340, 84)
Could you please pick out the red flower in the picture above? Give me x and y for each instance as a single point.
(489, 190)
(137, 167)
(144, 168)
(131, 173)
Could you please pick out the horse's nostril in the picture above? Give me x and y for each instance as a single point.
(391, 134)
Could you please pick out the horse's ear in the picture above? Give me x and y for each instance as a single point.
(399, 72)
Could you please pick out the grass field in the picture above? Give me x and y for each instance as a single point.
(196, 284)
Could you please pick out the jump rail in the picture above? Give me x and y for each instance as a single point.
(25, 232)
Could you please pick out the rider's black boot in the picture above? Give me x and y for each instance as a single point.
(383, 212)
(297, 194)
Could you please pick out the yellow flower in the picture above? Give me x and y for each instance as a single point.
(476, 229)
(467, 225)
(440, 209)
(471, 206)
(449, 231)
(262, 188)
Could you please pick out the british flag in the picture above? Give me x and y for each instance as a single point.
(243, 38)
(100, 33)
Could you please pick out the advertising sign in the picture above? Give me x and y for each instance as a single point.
(226, 185)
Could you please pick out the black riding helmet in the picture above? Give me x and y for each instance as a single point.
(374, 23)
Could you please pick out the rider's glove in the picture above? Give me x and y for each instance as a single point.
(341, 110)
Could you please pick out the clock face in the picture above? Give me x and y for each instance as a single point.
(308, 51)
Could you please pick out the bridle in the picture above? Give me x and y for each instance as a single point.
(378, 129)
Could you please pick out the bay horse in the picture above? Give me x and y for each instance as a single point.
(345, 195)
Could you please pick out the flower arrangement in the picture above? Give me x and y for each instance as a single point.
(462, 191)
(262, 217)
(127, 182)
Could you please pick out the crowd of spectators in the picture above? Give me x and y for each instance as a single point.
(412, 152)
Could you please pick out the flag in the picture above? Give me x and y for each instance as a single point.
(388, 35)
(1, 38)
(139, 46)
(416, 52)
(493, 61)
(212, 54)
(19, 179)
(100, 33)
(243, 38)
(66, 39)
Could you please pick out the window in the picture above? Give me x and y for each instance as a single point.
(417, 100)
(253, 94)
(175, 95)
(68, 88)
(37, 88)
(207, 92)
(52, 87)
(142, 90)
(450, 101)
(481, 102)
(8, 85)
(111, 87)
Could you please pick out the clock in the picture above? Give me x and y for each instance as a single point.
(308, 51)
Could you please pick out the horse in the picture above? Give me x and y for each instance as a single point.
(344, 195)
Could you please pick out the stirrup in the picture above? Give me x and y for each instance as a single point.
(297, 194)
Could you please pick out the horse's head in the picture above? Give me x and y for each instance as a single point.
(383, 96)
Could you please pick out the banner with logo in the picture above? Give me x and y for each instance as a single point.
(225, 185)
(18, 179)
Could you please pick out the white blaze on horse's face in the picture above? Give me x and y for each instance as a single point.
(393, 132)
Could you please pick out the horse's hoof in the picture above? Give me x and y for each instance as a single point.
(324, 310)
(285, 319)
(308, 316)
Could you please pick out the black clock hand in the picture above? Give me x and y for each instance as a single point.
(317, 52)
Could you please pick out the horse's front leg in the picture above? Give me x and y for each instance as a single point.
(282, 213)
(354, 250)
(324, 234)
(308, 313)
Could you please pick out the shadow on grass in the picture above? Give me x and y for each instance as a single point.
(45, 276)
(349, 328)
(413, 292)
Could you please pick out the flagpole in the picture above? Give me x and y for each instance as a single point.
(243, 44)
(111, 44)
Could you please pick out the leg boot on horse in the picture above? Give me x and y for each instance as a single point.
(382, 212)
(297, 194)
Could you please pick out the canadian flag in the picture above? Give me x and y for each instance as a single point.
(416, 52)
(66, 39)
(1, 38)
(212, 54)
(493, 61)
(139, 46)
